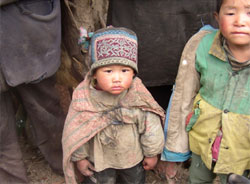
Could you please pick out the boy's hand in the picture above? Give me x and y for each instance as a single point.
(85, 167)
(149, 162)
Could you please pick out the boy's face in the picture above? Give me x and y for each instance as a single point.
(114, 79)
(234, 22)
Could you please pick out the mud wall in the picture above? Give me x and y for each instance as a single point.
(92, 15)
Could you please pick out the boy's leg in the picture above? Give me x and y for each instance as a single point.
(107, 176)
(134, 175)
(199, 173)
(223, 178)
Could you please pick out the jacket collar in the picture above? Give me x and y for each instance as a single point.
(217, 49)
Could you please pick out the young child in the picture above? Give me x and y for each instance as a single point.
(213, 83)
(114, 126)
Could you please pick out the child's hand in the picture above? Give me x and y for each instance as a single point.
(85, 167)
(149, 162)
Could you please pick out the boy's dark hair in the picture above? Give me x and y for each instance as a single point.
(218, 6)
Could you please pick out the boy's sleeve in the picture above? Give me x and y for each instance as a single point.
(187, 85)
(152, 136)
(81, 153)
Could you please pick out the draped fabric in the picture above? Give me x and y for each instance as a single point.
(30, 35)
(84, 120)
(163, 27)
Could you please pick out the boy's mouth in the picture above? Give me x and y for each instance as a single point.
(240, 33)
(116, 87)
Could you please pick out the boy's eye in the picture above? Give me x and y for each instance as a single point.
(125, 70)
(230, 14)
(107, 71)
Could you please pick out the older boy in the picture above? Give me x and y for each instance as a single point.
(213, 84)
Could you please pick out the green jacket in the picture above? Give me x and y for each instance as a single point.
(224, 101)
(222, 97)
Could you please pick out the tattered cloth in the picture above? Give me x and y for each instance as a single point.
(84, 120)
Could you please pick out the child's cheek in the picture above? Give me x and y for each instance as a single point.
(223, 25)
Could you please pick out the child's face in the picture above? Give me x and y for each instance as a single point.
(114, 79)
(234, 22)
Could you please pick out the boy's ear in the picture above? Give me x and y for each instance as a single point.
(134, 74)
(94, 75)
(216, 16)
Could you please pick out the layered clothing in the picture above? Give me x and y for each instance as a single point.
(110, 125)
(163, 27)
(217, 95)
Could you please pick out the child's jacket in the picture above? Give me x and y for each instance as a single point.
(219, 98)
(93, 123)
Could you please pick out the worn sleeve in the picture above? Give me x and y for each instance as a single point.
(152, 136)
(186, 87)
(81, 153)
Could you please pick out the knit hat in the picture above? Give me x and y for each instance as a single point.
(114, 46)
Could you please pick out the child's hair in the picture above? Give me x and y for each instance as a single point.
(218, 5)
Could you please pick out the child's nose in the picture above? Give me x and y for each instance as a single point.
(241, 19)
(116, 77)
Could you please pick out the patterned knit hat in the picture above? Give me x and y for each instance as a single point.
(114, 46)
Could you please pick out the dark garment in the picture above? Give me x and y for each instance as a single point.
(163, 27)
(30, 32)
(30, 35)
(42, 104)
(134, 175)
(11, 165)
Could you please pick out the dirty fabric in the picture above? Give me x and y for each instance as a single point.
(11, 168)
(85, 120)
(133, 134)
(236, 65)
(163, 27)
(224, 106)
(46, 121)
(30, 35)
(31, 52)
(181, 103)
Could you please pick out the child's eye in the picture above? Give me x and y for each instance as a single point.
(107, 71)
(125, 70)
(230, 14)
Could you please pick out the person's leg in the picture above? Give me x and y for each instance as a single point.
(134, 175)
(12, 169)
(107, 176)
(199, 173)
(42, 104)
(223, 178)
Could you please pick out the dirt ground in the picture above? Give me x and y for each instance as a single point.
(39, 172)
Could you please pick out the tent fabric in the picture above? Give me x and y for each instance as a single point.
(163, 27)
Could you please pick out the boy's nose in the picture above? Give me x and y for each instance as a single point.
(240, 20)
(116, 77)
